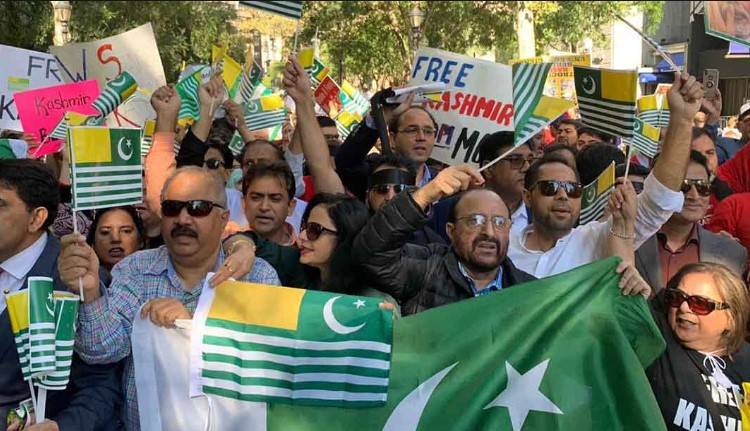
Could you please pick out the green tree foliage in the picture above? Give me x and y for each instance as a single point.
(185, 30)
(370, 40)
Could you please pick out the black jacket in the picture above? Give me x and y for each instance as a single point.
(418, 277)
(93, 396)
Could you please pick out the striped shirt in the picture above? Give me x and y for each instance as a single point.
(105, 325)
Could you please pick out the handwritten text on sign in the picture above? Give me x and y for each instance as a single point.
(22, 70)
(478, 101)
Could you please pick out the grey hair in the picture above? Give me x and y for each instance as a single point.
(220, 193)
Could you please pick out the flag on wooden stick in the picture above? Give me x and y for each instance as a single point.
(596, 194)
(607, 98)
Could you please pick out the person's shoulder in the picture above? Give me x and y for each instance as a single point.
(142, 262)
(741, 360)
(727, 245)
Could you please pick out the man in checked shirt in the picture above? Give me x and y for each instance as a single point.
(166, 281)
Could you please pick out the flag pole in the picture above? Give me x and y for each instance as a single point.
(498, 158)
(33, 396)
(42, 405)
(627, 161)
(73, 214)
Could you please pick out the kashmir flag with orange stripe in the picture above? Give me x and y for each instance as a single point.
(263, 343)
(106, 167)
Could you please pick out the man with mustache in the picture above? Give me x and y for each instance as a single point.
(163, 283)
(426, 276)
(551, 245)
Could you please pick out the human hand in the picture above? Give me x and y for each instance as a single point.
(235, 114)
(296, 82)
(728, 235)
(239, 261)
(685, 97)
(392, 112)
(450, 180)
(166, 101)
(164, 311)
(47, 425)
(623, 205)
(210, 95)
(712, 108)
(78, 260)
(631, 282)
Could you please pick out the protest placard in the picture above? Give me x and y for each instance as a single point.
(328, 96)
(134, 51)
(42, 109)
(560, 82)
(22, 69)
(478, 100)
(728, 20)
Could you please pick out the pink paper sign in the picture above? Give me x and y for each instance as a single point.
(42, 109)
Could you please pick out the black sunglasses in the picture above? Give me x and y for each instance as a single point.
(550, 188)
(698, 304)
(703, 187)
(384, 189)
(314, 230)
(212, 163)
(195, 208)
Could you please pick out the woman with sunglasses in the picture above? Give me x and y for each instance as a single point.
(701, 376)
(324, 259)
(115, 234)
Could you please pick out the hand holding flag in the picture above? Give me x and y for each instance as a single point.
(685, 97)
(78, 261)
(296, 82)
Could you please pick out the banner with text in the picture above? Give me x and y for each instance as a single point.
(560, 82)
(22, 70)
(134, 51)
(478, 100)
(42, 109)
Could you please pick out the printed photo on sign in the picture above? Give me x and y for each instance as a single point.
(729, 20)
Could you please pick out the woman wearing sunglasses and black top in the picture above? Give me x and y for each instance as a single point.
(323, 260)
(700, 379)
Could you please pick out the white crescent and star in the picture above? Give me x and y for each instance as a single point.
(47, 304)
(334, 324)
(588, 80)
(120, 152)
(407, 414)
(522, 395)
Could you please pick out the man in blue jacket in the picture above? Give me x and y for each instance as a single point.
(28, 204)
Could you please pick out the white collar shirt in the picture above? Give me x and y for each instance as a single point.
(16, 267)
(588, 243)
(519, 219)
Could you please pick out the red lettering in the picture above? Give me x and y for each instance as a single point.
(483, 105)
(110, 59)
(457, 101)
(469, 101)
(506, 115)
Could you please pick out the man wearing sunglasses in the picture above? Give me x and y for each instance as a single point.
(682, 240)
(551, 244)
(163, 284)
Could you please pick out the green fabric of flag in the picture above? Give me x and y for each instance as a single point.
(236, 144)
(528, 86)
(41, 326)
(188, 91)
(318, 72)
(106, 167)
(596, 195)
(248, 82)
(607, 99)
(562, 353)
(645, 138)
(66, 315)
(17, 304)
(114, 94)
(264, 112)
(13, 149)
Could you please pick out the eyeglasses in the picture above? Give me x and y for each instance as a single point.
(517, 162)
(212, 164)
(703, 187)
(698, 304)
(314, 230)
(475, 221)
(413, 130)
(384, 189)
(195, 208)
(550, 188)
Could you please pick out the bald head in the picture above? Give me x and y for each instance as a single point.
(473, 201)
(208, 186)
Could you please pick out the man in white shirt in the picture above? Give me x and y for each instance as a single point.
(28, 204)
(550, 245)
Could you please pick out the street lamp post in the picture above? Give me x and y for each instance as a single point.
(416, 19)
(62, 10)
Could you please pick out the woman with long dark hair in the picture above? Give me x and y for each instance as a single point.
(116, 233)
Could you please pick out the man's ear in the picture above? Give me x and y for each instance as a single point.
(292, 206)
(450, 229)
(38, 217)
(527, 197)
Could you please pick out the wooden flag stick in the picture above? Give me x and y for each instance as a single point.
(668, 58)
(75, 231)
(497, 159)
(627, 161)
(42, 405)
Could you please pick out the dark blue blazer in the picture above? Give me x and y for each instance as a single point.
(93, 398)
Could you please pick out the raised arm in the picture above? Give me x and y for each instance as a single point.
(160, 160)
(314, 146)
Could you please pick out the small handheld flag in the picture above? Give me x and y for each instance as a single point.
(645, 138)
(265, 112)
(596, 194)
(606, 99)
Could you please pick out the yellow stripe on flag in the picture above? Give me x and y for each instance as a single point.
(348, 89)
(257, 304)
(346, 118)
(619, 85)
(75, 119)
(606, 179)
(231, 71)
(18, 310)
(306, 57)
(650, 132)
(217, 52)
(149, 127)
(271, 103)
(647, 103)
(91, 144)
(551, 107)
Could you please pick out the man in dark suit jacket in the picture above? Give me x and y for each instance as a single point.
(682, 240)
(28, 204)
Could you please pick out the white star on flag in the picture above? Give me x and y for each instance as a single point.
(522, 395)
(359, 304)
